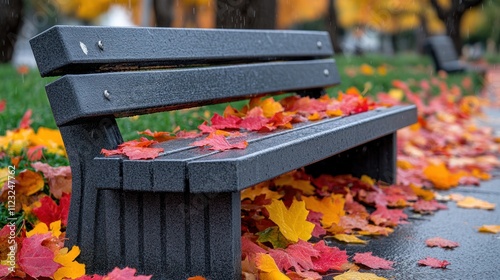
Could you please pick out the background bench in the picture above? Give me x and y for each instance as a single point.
(179, 215)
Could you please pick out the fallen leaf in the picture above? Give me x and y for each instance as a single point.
(70, 268)
(35, 259)
(427, 206)
(349, 238)
(292, 222)
(59, 178)
(355, 275)
(29, 182)
(273, 236)
(331, 207)
(490, 228)
(161, 136)
(434, 263)
(268, 268)
(26, 120)
(3, 105)
(471, 202)
(228, 122)
(219, 143)
(330, 258)
(50, 212)
(197, 278)
(441, 242)
(41, 228)
(124, 274)
(441, 177)
(367, 259)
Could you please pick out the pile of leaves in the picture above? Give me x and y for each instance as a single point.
(289, 223)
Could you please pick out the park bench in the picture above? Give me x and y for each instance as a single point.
(179, 215)
(444, 56)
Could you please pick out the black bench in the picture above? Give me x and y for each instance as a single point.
(179, 215)
(444, 56)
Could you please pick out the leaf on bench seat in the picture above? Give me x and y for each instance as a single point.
(219, 143)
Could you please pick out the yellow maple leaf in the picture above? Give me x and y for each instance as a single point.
(268, 268)
(331, 207)
(471, 202)
(423, 193)
(50, 139)
(355, 275)
(41, 228)
(291, 222)
(490, 228)
(70, 268)
(260, 189)
(348, 238)
(288, 180)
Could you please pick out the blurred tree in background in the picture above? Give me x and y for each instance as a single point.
(11, 15)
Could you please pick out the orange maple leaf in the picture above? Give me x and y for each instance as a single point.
(331, 207)
(441, 176)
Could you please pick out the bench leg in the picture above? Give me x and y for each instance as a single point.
(376, 159)
(168, 235)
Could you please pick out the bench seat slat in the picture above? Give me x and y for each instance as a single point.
(133, 93)
(75, 49)
(266, 156)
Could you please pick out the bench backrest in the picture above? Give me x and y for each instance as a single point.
(443, 53)
(105, 68)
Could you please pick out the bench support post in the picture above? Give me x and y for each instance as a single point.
(376, 159)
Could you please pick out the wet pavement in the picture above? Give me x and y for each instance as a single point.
(478, 256)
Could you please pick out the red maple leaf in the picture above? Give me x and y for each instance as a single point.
(187, 134)
(315, 218)
(229, 122)
(303, 252)
(434, 263)
(3, 104)
(35, 153)
(371, 261)
(50, 212)
(253, 123)
(26, 120)
(249, 248)
(428, 206)
(124, 274)
(388, 217)
(35, 259)
(136, 153)
(283, 260)
(204, 128)
(219, 143)
(329, 258)
(441, 242)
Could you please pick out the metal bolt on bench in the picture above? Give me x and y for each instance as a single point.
(179, 215)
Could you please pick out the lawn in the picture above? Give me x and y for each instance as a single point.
(369, 73)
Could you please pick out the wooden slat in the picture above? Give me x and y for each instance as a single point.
(78, 97)
(76, 49)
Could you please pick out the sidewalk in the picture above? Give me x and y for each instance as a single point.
(478, 256)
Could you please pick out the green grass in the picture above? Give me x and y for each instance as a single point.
(24, 92)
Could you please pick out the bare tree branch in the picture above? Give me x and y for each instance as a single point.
(441, 12)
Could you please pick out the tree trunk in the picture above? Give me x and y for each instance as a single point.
(453, 30)
(332, 26)
(11, 14)
(249, 14)
(164, 12)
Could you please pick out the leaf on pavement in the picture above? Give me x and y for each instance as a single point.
(329, 258)
(441, 242)
(352, 275)
(292, 222)
(349, 238)
(471, 202)
(331, 207)
(70, 267)
(268, 268)
(490, 228)
(35, 259)
(371, 261)
(434, 263)
(124, 274)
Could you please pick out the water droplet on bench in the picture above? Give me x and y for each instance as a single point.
(84, 48)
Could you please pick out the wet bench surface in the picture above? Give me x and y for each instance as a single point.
(179, 215)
